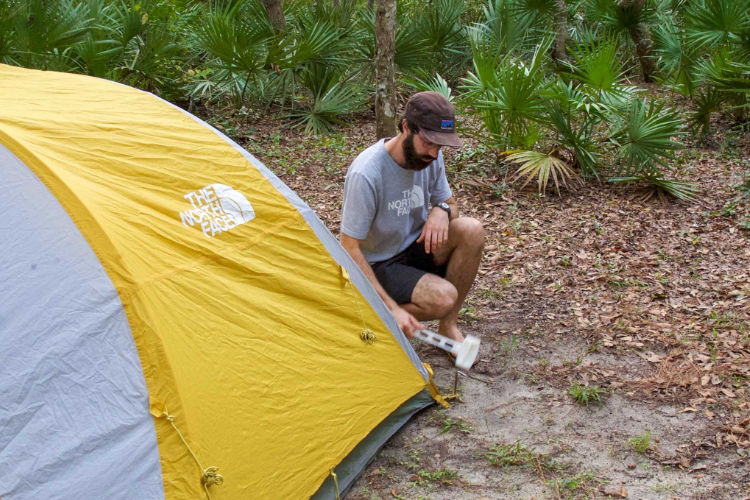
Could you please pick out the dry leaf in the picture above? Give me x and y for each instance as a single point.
(615, 491)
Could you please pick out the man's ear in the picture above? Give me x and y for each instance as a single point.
(404, 126)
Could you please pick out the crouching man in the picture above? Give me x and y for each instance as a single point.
(400, 221)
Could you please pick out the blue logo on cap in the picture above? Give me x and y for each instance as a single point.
(447, 124)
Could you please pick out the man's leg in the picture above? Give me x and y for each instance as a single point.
(437, 298)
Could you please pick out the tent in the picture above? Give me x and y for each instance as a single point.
(175, 322)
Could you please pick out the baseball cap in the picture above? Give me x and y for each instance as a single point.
(435, 116)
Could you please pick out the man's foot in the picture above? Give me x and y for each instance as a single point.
(452, 332)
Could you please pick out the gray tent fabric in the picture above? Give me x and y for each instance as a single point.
(65, 340)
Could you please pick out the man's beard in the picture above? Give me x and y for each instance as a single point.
(412, 159)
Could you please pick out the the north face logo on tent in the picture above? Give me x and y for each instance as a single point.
(217, 208)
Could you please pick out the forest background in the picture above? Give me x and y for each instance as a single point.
(618, 283)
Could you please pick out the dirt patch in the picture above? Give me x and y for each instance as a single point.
(514, 435)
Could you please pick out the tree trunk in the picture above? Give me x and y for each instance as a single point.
(561, 25)
(642, 40)
(275, 14)
(385, 73)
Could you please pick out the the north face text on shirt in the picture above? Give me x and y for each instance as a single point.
(412, 198)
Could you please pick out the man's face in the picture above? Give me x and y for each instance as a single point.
(419, 151)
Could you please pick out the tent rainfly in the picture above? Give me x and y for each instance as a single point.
(175, 322)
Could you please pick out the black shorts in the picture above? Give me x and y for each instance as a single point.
(399, 274)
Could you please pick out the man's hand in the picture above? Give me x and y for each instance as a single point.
(408, 323)
(435, 230)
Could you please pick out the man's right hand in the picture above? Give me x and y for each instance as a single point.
(408, 323)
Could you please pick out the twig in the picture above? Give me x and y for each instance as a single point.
(474, 377)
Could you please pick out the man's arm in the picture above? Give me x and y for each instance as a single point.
(435, 229)
(406, 321)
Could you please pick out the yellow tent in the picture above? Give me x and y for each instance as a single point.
(178, 323)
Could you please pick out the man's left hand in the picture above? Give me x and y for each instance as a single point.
(435, 230)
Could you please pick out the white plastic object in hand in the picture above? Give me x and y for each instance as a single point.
(466, 351)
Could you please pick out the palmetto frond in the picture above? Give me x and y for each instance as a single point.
(502, 30)
(436, 84)
(577, 136)
(727, 71)
(238, 42)
(332, 95)
(677, 58)
(706, 102)
(646, 139)
(685, 191)
(711, 23)
(514, 99)
(42, 29)
(596, 64)
(542, 166)
(411, 47)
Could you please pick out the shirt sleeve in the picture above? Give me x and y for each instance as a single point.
(358, 209)
(440, 189)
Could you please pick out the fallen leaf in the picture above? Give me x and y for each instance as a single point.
(615, 491)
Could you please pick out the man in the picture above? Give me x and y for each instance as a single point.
(400, 221)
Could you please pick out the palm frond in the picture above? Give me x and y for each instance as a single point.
(238, 43)
(332, 95)
(711, 23)
(677, 58)
(576, 133)
(515, 101)
(542, 166)
(597, 64)
(412, 49)
(40, 27)
(502, 30)
(685, 191)
(727, 71)
(436, 84)
(706, 102)
(646, 139)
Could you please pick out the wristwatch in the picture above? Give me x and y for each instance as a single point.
(445, 207)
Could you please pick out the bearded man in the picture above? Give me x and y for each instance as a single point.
(400, 221)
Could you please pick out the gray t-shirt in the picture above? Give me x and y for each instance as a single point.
(386, 205)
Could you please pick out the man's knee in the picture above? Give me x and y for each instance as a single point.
(469, 230)
(446, 297)
(435, 294)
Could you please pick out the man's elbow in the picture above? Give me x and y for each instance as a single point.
(351, 245)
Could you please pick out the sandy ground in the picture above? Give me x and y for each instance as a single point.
(542, 442)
